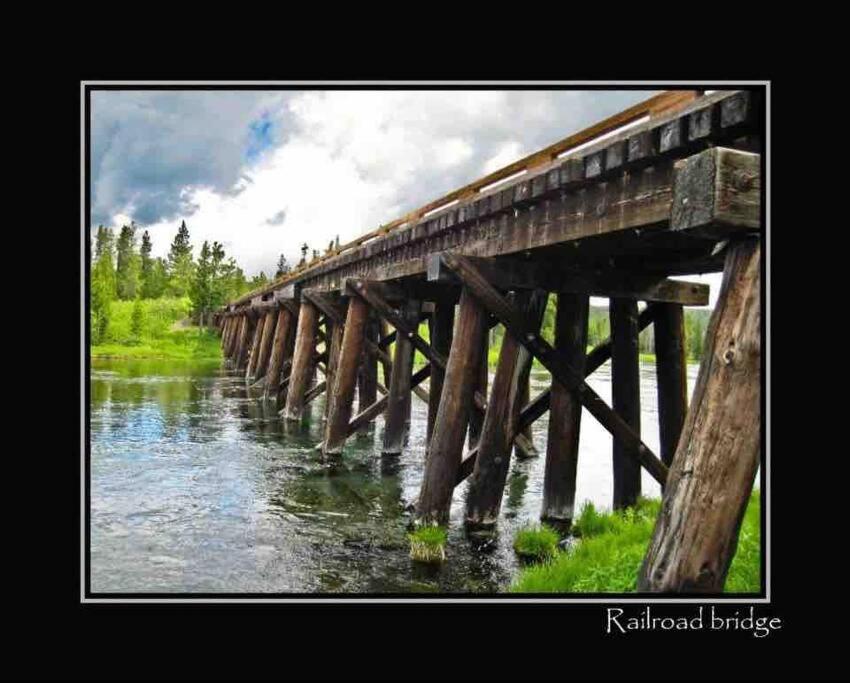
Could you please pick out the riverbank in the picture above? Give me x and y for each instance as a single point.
(187, 343)
(606, 556)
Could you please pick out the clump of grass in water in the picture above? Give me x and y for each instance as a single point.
(428, 544)
(537, 543)
(612, 548)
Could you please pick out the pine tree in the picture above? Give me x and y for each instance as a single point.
(200, 287)
(147, 266)
(127, 267)
(137, 320)
(102, 285)
(282, 267)
(180, 265)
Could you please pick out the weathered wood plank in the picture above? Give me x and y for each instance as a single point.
(282, 331)
(441, 330)
(717, 193)
(255, 346)
(714, 468)
(269, 326)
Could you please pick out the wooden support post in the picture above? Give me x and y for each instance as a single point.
(397, 414)
(553, 361)
(234, 337)
(445, 454)
(625, 396)
(282, 332)
(242, 345)
(386, 365)
(524, 395)
(671, 372)
(367, 376)
(225, 330)
(476, 418)
(302, 361)
(484, 497)
(559, 479)
(266, 344)
(335, 332)
(712, 474)
(441, 328)
(255, 346)
(342, 396)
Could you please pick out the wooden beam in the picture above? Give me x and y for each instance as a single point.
(511, 274)
(367, 376)
(671, 373)
(280, 342)
(625, 397)
(444, 456)
(255, 347)
(554, 362)
(397, 415)
(366, 415)
(269, 327)
(713, 471)
(484, 496)
(302, 362)
(717, 193)
(346, 376)
(242, 344)
(534, 410)
(559, 478)
(441, 331)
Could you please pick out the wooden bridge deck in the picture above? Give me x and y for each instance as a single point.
(670, 186)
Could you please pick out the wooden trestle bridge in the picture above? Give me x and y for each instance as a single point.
(669, 187)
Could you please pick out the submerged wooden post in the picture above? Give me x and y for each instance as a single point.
(559, 479)
(476, 418)
(266, 344)
(484, 497)
(255, 346)
(302, 361)
(282, 332)
(397, 414)
(342, 395)
(712, 474)
(242, 345)
(671, 372)
(445, 454)
(334, 344)
(625, 394)
(234, 337)
(367, 376)
(525, 449)
(441, 328)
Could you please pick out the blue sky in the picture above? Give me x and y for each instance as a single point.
(263, 172)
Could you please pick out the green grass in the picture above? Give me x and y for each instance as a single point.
(191, 343)
(537, 543)
(158, 337)
(612, 548)
(428, 544)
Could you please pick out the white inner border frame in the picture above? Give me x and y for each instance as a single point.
(766, 491)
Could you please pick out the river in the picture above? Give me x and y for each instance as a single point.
(198, 487)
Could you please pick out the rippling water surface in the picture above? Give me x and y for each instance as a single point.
(197, 486)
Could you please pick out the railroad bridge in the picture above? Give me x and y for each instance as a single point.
(668, 187)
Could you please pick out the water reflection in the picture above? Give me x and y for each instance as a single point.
(198, 486)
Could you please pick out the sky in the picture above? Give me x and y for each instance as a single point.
(264, 171)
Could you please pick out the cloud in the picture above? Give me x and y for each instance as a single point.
(263, 172)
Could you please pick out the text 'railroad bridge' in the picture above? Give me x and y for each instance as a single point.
(669, 187)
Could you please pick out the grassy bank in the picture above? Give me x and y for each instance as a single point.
(611, 547)
(156, 332)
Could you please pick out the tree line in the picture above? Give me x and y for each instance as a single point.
(123, 269)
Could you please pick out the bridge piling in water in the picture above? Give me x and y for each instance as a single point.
(615, 219)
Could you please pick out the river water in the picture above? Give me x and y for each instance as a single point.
(198, 487)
